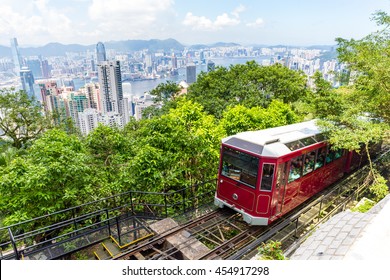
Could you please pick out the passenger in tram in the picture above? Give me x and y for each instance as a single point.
(309, 163)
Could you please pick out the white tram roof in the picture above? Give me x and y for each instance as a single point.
(277, 141)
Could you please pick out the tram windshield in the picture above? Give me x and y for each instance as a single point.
(240, 166)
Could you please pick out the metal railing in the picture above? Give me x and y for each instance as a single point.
(63, 232)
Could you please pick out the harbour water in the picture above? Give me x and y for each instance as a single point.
(139, 88)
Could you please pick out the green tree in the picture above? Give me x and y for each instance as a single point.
(109, 152)
(326, 102)
(247, 84)
(53, 175)
(368, 59)
(21, 118)
(165, 91)
(240, 118)
(178, 149)
(364, 118)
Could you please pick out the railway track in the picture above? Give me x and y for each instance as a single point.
(227, 237)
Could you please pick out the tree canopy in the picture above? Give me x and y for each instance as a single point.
(21, 118)
(247, 84)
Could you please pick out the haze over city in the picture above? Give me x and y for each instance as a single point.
(36, 23)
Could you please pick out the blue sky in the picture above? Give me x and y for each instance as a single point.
(299, 22)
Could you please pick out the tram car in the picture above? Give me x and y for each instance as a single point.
(267, 173)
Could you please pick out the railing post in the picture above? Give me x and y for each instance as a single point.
(165, 204)
(74, 219)
(118, 229)
(108, 223)
(131, 202)
(184, 199)
(11, 237)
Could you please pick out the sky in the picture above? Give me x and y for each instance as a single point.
(269, 22)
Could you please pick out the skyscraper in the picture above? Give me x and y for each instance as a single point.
(110, 81)
(191, 73)
(27, 79)
(100, 53)
(16, 55)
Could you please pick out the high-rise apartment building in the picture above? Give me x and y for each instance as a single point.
(88, 120)
(100, 53)
(92, 92)
(191, 73)
(111, 92)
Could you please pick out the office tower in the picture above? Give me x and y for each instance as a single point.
(149, 63)
(16, 55)
(191, 73)
(45, 69)
(174, 61)
(27, 79)
(210, 66)
(201, 57)
(100, 53)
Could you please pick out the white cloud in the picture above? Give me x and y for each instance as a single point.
(33, 23)
(103, 9)
(259, 22)
(206, 24)
(238, 10)
(128, 19)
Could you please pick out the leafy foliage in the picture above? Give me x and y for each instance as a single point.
(240, 118)
(271, 251)
(21, 119)
(53, 175)
(247, 84)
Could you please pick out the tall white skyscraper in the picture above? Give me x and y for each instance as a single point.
(111, 92)
(110, 81)
(100, 53)
(16, 55)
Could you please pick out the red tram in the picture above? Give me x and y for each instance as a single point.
(265, 174)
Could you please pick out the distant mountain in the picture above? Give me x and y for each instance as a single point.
(222, 44)
(323, 47)
(57, 49)
(215, 45)
(5, 51)
(152, 45)
(199, 47)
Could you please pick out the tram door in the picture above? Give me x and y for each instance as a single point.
(280, 187)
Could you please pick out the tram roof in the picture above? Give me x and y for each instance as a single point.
(277, 141)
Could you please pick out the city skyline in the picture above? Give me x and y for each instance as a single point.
(36, 23)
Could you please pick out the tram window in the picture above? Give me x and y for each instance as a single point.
(321, 154)
(267, 177)
(295, 145)
(295, 169)
(281, 174)
(309, 162)
(333, 154)
(240, 166)
(308, 141)
(338, 153)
